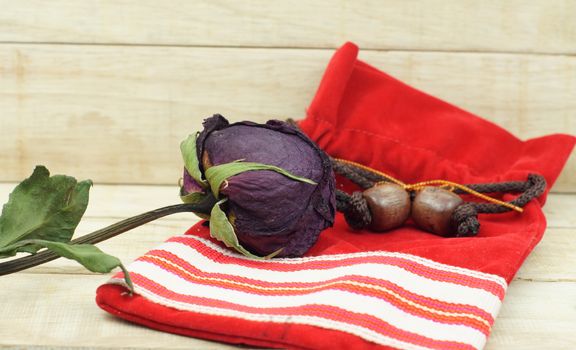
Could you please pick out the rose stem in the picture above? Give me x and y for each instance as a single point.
(106, 233)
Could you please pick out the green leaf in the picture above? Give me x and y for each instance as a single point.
(191, 163)
(88, 255)
(222, 230)
(43, 207)
(29, 248)
(194, 197)
(217, 174)
(43, 212)
(24, 246)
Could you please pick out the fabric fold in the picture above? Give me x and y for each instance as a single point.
(404, 289)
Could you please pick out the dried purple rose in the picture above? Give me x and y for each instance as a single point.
(274, 186)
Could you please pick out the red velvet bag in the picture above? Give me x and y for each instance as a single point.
(402, 289)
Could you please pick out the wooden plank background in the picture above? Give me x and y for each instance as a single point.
(107, 89)
(536, 26)
(82, 80)
(85, 103)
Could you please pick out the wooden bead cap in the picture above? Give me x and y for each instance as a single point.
(389, 205)
(432, 210)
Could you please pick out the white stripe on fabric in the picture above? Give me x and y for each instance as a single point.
(348, 280)
(337, 257)
(443, 291)
(353, 302)
(423, 325)
(288, 318)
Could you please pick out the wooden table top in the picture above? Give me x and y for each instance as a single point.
(52, 306)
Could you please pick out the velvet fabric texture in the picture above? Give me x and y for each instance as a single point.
(415, 137)
(362, 114)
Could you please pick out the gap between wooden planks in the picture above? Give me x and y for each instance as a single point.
(117, 114)
(121, 201)
(541, 26)
(552, 260)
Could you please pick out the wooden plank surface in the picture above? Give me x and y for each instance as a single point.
(536, 315)
(53, 305)
(61, 312)
(543, 26)
(117, 114)
(552, 260)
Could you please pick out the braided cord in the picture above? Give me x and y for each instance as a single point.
(464, 218)
(366, 177)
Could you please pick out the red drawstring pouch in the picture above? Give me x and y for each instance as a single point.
(405, 288)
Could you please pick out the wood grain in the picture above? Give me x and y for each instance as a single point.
(543, 26)
(117, 114)
(61, 312)
(553, 258)
(536, 315)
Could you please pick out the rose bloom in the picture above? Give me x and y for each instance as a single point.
(269, 211)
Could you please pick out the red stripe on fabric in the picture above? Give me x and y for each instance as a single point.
(330, 313)
(268, 335)
(403, 263)
(194, 275)
(417, 298)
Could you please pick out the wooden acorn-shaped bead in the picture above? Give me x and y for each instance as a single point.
(432, 210)
(389, 205)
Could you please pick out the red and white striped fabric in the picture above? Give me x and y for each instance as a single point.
(404, 289)
(393, 299)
